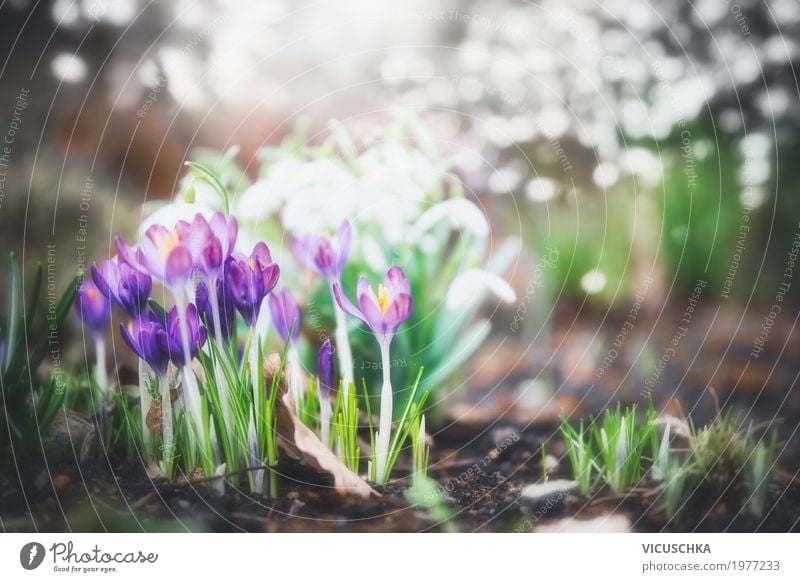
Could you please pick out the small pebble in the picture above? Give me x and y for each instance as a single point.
(550, 464)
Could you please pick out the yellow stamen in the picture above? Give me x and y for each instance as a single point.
(92, 294)
(165, 244)
(383, 299)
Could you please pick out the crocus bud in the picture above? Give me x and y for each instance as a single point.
(285, 314)
(195, 331)
(324, 255)
(93, 308)
(325, 369)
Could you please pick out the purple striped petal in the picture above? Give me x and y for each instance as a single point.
(325, 376)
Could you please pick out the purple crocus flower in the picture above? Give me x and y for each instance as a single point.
(285, 314)
(209, 242)
(123, 285)
(325, 368)
(227, 309)
(93, 308)
(161, 255)
(249, 279)
(147, 337)
(383, 312)
(195, 331)
(324, 255)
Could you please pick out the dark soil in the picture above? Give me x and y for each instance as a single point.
(480, 472)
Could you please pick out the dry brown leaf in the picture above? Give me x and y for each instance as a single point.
(300, 442)
(155, 416)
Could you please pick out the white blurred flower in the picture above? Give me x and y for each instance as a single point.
(325, 196)
(541, 189)
(605, 175)
(459, 214)
(286, 176)
(410, 162)
(390, 200)
(593, 282)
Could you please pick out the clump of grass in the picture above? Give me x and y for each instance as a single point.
(621, 450)
(28, 336)
(580, 454)
(621, 443)
(720, 449)
(611, 451)
(729, 460)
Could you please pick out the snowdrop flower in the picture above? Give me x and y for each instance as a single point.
(261, 200)
(325, 198)
(470, 286)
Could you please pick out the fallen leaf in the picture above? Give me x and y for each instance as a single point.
(154, 415)
(300, 442)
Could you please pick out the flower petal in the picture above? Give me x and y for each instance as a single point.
(105, 279)
(345, 236)
(346, 305)
(397, 282)
(178, 268)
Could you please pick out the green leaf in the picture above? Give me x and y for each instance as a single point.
(34, 298)
(62, 308)
(209, 177)
(14, 302)
(461, 352)
(158, 308)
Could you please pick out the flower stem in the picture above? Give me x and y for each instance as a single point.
(222, 387)
(325, 419)
(167, 445)
(295, 379)
(101, 377)
(343, 349)
(383, 435)
(191, 390)
(144, 404)
(215, 316)
(254, 372)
